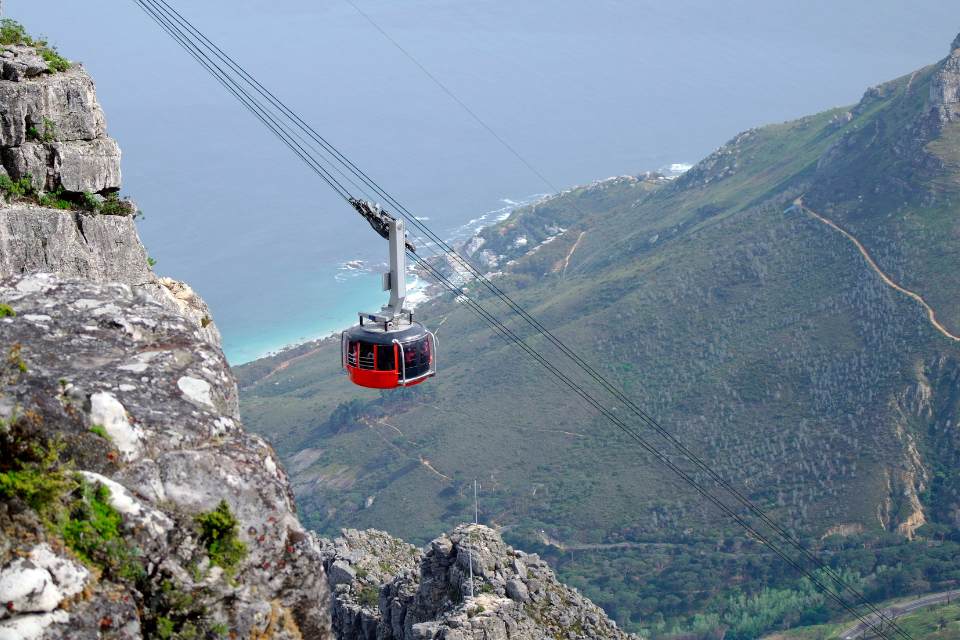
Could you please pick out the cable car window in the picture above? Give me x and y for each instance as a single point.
(385, 359)
(352, 353)
(366, 355)
(416, 357)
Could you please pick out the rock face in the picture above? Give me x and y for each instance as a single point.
(945, 87)
(384, 589)
(53, 128)
(145, 406)
(72, 244)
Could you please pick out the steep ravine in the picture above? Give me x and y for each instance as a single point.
(133, 504)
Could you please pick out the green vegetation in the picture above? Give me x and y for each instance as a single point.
(100, 430)
(369, 596)
(177, 615)
(55, 199)
(152, 263)
(14, 33)
(16, 188)
(34, 472)
(113, 205)
(22, 189)
(218, 534)
(92, 528)
(6, 311)
(34, 476)
(15, 362)
(49, 132)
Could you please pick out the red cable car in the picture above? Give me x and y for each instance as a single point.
(388, 349)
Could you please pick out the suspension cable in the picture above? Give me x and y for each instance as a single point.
(269, 118)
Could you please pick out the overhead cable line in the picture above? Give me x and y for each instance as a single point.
(593, 373)
(263, 112)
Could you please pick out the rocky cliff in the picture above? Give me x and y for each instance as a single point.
(59, 182)
(132, 502)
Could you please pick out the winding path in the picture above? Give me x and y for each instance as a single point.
(898, 610)
(566, 261)
(887, 280)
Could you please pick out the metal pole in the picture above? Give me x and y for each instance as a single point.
(476, 518)
(398, 267)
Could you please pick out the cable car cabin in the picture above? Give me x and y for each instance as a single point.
(380, 359)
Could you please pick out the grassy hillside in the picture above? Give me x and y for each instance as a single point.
(754, 332)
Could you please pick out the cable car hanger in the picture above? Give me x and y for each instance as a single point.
(388, 349)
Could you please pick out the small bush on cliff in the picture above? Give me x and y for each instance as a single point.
(56, 199)
(92, 528)
(31, 471)
(114, 205)
(16, 188)
(218, 533)
(55, 61)
(369, 596)
(14, 33)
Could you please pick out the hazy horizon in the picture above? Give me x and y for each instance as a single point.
(583, 91)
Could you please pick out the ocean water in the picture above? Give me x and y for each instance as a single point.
(583, 90)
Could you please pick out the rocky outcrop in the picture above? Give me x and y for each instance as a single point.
(53, 129)
(72, 244)
(385, 589)
(131, 397)
(945, 86)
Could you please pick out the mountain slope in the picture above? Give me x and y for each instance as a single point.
(753, 331)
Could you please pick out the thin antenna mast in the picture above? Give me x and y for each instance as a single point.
(476, 520)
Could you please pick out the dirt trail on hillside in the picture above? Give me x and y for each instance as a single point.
(566, 261)
(896, 611)
(887, 280)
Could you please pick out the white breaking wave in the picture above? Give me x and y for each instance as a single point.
(473, 227)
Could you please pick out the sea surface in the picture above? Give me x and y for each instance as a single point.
(584, 90)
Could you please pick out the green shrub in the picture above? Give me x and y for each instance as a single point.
(55, 61)
(49, 130)
(114, 206)
(100, 430)
(12, 32)
(218, 533)
(55, 200)
(91, 527)
(90, 202)
(369, 596)
(38, 486)
(16, 188)
(6, 311)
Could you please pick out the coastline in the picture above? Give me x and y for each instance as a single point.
(421, 290)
